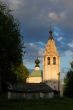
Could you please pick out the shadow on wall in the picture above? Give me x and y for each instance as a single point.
(56, 85)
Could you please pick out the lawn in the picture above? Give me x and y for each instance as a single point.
(50, 104)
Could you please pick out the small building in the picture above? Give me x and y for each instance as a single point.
(30, 91)
(36, 75)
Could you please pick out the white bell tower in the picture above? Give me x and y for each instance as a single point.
(51, 63)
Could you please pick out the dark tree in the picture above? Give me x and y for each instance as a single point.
(68, 83)
(10, 45)
(21, 72)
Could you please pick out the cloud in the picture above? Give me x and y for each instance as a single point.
(41, 43)
(13, 4)
(53, 16)
(68, 53)
(60, 38)
(32, 51)
(41, 13)
(35, 17)
(65, 59)
(70, 44)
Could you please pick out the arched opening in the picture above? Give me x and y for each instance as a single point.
(54, 60)
(48, 60)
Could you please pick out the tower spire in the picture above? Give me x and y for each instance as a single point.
(50, 34)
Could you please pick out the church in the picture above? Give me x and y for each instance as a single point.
(41, 84)
(51, 66)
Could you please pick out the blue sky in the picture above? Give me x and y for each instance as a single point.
(35, 18)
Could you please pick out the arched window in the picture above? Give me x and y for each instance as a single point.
(48, 60)
(54, 60)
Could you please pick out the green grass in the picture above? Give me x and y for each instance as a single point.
(50, 104)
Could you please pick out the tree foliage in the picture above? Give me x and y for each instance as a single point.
(21, 72)
(10, 44)
(68, 83)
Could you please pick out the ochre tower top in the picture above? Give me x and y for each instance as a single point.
(51, 46)
(51, 60)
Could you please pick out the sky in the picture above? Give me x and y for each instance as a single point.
(35, 18)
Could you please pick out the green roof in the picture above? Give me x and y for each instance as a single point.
(36, 73)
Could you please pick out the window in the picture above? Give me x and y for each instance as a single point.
(54, 60)
(48, 59)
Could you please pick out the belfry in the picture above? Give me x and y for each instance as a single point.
(51, 63)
